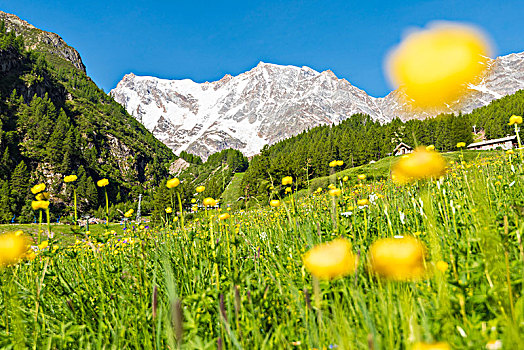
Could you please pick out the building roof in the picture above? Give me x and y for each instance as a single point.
(400, 145)
(490, 142)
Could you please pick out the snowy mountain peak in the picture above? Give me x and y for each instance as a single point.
(272, 102)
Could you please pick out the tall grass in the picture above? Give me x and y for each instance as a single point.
(158, 288)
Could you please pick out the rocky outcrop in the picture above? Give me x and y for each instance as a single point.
(39, 40)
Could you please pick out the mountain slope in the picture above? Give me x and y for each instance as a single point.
(272, 102)
(55, 121)
(264, 105)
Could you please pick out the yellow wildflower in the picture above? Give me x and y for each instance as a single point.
(274, 203)
(330, 260)
(434, 65)
(431, 346)
(173, 183)
(70, 178)
(287, 180)
(335, 192)
(38, 188)
(224, 216)
(515, 119)
(42, 196)
(200, 189)
(169, 210)
(398, 259)
(461, 144)
(102, 183)
(442, 266)
(364, 201)
(210, 202)
(430, 148)
(40, 205)
(361, 176)
(13, 246)
(421, 164)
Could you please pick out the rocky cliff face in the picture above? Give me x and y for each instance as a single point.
(272, 102)
(264, 105)
(42, 41)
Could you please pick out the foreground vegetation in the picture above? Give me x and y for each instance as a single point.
(238, 280)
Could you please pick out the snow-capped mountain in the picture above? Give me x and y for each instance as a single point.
(272, 102)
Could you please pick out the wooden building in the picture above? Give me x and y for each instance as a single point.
(402, 149)
(504, 143)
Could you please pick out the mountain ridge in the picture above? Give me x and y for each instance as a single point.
(271, 102)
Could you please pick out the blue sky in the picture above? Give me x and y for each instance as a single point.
(203, 40)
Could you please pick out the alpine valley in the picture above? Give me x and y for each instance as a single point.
(271, 102)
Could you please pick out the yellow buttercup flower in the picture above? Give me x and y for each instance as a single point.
(399, 259)
(173, 183)
(43, 245)
(510, 151)
(287, 180)
(430, 148)
(102, 183)
(42, 196)
(515, 119)
(38, 188)
(193, 200)
(274, 203)
(431, 346)
(331, 186)
(330, 260)
(421, 164)
(129, 213)
(39, 205)
(224, 216)
(335, 192)
(200, 189)
(461, 144)
(169, 210)
(361, 176)
(288, 190)
(333, 164)
(210, 202)
(434, 65)
(13, 247)
(339, 163)
(345, 178)
(70, 178)
(319, 189)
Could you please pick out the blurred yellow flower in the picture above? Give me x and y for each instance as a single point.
(39, 205)
(43, 245)
(363, 201)
(102, 183)
(339, 163)
(38, 188)
(200, 189)
(224, 216)
(398, 259)
(288, 180)
(431, 346)
(70, 178)
(169, 210)
(173, 183)
(345, 178)
(333, 163)
(442, 266)
(13, 247)
(510, 151)
(210, 202)
(288, 189)
(129, 213)
(319, 189)
(434, 65)
(461, 144)
(421, 164)
(193, 200)
(330, 260)
(515, 119)
(335, 192)
(361, 176)
(430, 148)
(274, 203)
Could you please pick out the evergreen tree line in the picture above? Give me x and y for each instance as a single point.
(359, 140)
